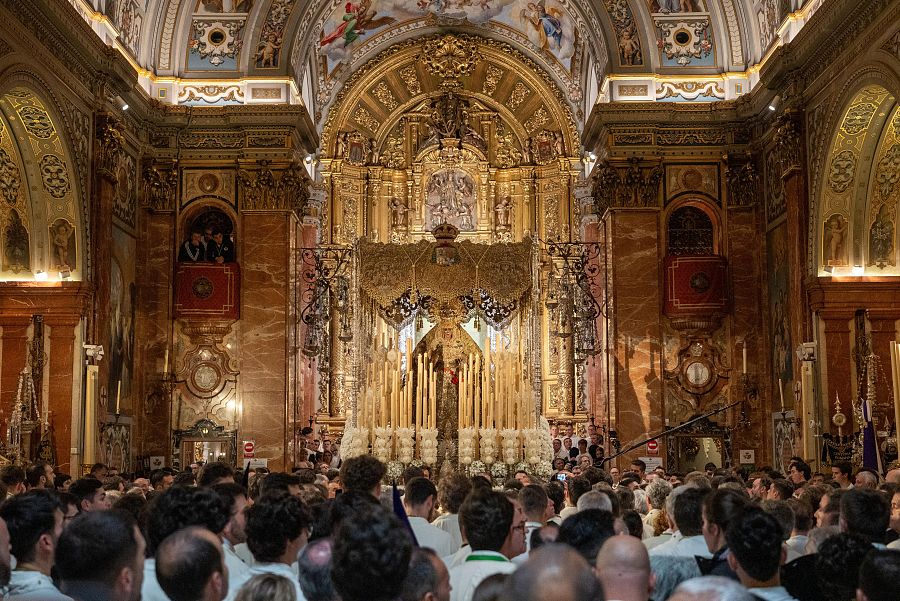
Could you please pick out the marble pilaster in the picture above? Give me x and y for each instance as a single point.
(265, 297)
(62, 349)
(636, 337)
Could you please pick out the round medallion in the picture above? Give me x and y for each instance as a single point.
(205, 377)
(697, 373)
(700, 282)
(692, 179)
(202, 288)
(208, 183)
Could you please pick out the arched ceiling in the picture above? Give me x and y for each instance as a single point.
(241, 51)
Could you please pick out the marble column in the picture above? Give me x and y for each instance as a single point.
(151, 413)
(838, 375)
(12, 360)
(636, 337)
(883, 329)
(62, 349)
(265, 294)
(745, 267)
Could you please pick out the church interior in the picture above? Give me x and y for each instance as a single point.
(433, 230)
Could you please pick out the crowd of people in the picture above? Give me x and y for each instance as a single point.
(213, 532)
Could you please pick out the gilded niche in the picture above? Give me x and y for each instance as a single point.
(456, 130)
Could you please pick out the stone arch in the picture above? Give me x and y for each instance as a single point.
(840, 162)
(51, 191)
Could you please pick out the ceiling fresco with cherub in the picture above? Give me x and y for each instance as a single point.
(317, 44)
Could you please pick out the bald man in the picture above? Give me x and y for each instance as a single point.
(554, 571)
(711, 588)
(893, 476)
(623, 567)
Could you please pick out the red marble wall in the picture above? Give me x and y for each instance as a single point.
(636, 284)
(152, 415)
(264, 364)
(745, 264)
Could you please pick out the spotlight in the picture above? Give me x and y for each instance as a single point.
(858, 270)
(65, 274)
(829, 269)
(40, 276)
(125, 107)
(776, 102)
(309, 159)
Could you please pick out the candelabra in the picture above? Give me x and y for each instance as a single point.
(325, 273)
(573, 278)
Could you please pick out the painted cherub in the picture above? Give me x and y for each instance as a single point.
(267, 52)
(629, 48)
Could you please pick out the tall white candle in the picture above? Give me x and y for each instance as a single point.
(745, 356)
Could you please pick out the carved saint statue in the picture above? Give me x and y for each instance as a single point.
(447, 118)
(502, 211)
(399, 212)
(61, 232)
(835, 236)
(881, 239)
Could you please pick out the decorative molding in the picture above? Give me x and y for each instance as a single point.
(265, 190)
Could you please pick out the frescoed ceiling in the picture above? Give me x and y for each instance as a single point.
(204, 52)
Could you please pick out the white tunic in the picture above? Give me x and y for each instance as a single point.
(465, 578)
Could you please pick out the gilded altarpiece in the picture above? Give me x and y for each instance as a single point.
(454, 130)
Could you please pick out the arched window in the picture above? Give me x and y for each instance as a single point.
(690, 232)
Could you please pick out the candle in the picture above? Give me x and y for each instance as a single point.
(895, 373)
(745, 357)
(432, 408)
(166, 363)
(781, 393)
(118, 395)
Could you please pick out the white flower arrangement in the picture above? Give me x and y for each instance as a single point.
(488, 445)
(406, 441)
(499, 472)
(382, 446)
(466, 446)
(355, 442)
(394, 471)
(477, 467)
(509, 445)
(533, 446)
(546, 440)
(428, 446)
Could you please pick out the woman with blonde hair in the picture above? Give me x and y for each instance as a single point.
(267, 587)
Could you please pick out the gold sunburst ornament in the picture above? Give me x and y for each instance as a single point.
(450, 56)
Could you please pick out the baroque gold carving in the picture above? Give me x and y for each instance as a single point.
(384, 96)
(491, 78)
(411, 80)
(365, 119)
(160, 186)
(450, 56)
(519, 94)
(264, 189)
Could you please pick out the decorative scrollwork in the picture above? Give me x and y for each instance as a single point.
(55, 176)
(10, 182)
(37, 122)
(450, 56)
(497, 315)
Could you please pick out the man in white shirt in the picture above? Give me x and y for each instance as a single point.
(277, 528)
(840, 473)
(756, 553)
(190, 566)
(235, 499)
(371, 555)
(177, 508)
(452, 491)
(419, 505)
(487, 519)
(35, 523)
(686, 518)
(537, 509)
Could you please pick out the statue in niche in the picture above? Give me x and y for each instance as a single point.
(502, 210)
(399, 212)
(450, 198)
(629, 48)
(17, 247)
(63, 244)
(881, 239)
(835, 240)
(507, 153)
(447, 117)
